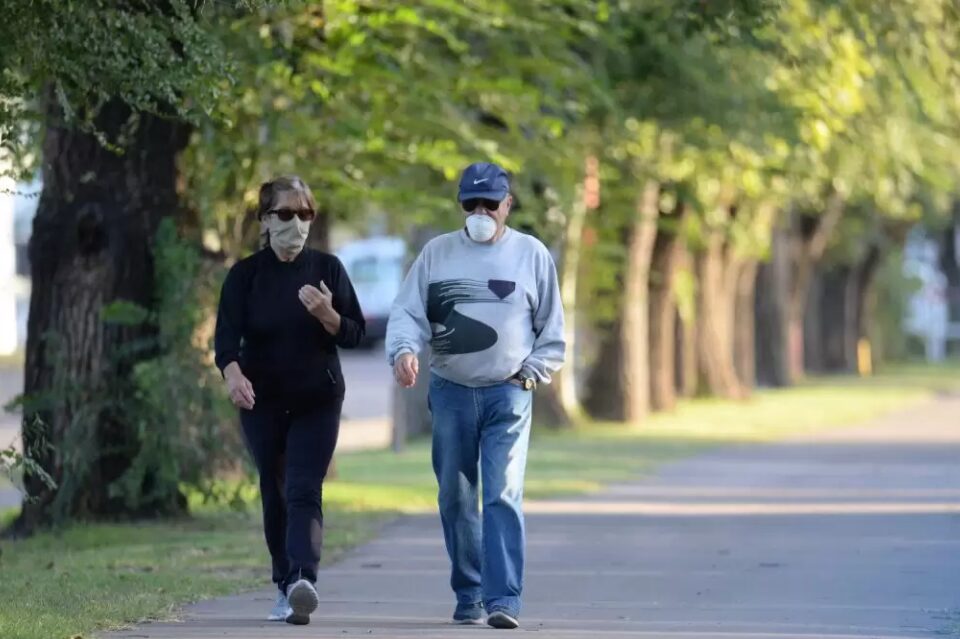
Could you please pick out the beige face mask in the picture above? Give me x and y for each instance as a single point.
(286, 238)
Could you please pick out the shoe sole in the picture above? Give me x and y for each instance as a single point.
(303, 600)
(468, 622)
(502, 621)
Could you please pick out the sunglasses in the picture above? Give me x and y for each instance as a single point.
(285, 215)
(488, 205)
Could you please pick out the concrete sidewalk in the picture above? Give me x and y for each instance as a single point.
(848, 534)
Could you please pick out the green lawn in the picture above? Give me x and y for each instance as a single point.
(63, 585)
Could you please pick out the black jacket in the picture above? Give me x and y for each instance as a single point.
(281, 348)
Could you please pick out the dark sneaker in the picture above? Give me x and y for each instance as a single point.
(502, 620)
(303, 600)
(468, 614)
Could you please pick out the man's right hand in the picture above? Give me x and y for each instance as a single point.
(238, 386)
(405, 369)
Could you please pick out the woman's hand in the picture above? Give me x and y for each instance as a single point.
(238, 386)
(319, 302)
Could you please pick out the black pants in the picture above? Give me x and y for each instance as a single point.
(292, 450)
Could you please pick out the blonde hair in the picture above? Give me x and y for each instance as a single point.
(268, 198)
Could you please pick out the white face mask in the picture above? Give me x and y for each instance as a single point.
(481, 227)
(287, 238)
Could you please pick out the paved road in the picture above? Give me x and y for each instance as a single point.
(848, 534)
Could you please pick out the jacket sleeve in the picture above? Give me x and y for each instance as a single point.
(549, 346)
(408, 330)
(229, 330)
(345, 302)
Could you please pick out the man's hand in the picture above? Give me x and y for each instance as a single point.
(405, 369)
(238, 386)
(319, 302)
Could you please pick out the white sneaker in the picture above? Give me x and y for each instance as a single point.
(280, 609)
(303, 600)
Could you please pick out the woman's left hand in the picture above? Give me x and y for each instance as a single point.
(319, 302)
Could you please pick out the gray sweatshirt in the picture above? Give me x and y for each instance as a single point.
(487, 310)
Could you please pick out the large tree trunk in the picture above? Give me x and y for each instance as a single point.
(667, 251)
(808, 243)
(950, 263)
(92, 245)
(744, 336)
(831, 312)
(773, 283)
(604, 392)
(686, 338)
(840, 313)
(559, 404)
(636, 302)
(620, 384)
(717, 272)
(866, 300)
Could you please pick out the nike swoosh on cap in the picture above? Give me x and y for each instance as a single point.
(480, 180)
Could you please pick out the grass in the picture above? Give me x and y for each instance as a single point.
(65, 585)
(104, 576)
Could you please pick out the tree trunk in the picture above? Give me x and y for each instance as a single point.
(866, 291)
(829, 323)
(744, 337)
(319, 237)
(667, 251)
(841, 313)
(716, 276)
(773, 282)
(620, 384)
(559, 403)
(686, 354)
(410, 414)
(809, 241)
(92, 245)
(636, 311)
(604, 395)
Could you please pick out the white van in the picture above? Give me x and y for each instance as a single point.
(375, 266)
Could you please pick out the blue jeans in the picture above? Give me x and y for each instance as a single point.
(482, 431)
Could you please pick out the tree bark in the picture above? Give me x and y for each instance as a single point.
(620, 384)
(717, 272)
(686, 338)
(840, 312)
(91, 245)
(319, 237)
(559, 403)
(636, 312)
(744, 336)
(773, 282)
(809, 241)
(667, 252)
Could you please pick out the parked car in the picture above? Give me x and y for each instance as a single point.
(375, 266)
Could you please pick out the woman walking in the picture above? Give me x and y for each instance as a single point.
(283, 312)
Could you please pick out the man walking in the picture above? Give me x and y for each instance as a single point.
(486, 299)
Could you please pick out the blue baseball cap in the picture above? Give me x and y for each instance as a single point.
(484, 180)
